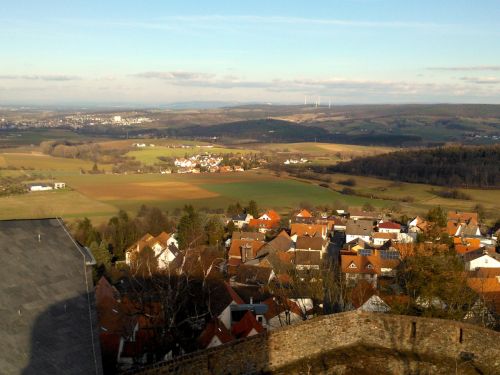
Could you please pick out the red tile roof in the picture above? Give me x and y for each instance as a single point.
(214, 328)
(389, 225)
(245, 326)
(304, 213)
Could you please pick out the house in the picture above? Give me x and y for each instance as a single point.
(165, 247)
(40, 187)
(417, 225)
(241, 220)
(481, 261)
(279, 244)
(282, 312)
(363, 296)
(254, 275)
(368, 267)
(59, 185)
(247, 326)
(359, 229)
(363, 215)
(255, 236)
(214, 334)
(311, 230)
(266, 222)
(316, 244)
(489, 291)
(379, 238)
(339, 224)
(303, 216)
(48, 315)
(458, 221)
(389, 227)
(241, 251)
(222, 297)
(307, 260)
(126, 328)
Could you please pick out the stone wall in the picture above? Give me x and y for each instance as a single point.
(351, 343)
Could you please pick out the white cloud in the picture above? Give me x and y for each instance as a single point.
(35, 77)
(467, 68)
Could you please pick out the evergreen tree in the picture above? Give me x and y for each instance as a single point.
(252, 209)
(214, 229)
(190, 231)
(102, 257)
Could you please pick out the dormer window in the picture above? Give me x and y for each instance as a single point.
(352, 265)
(369, 266)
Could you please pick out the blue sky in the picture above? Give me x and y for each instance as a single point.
(354, 51)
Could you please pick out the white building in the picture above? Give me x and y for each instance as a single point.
(484, 261)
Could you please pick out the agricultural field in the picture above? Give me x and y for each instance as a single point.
(37, 161)
(99, 196)
(420, 197)
(150, 155)
(322, 153)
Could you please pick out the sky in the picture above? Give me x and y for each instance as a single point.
(158, 52)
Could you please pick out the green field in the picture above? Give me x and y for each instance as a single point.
(99, 196)
(149, 155)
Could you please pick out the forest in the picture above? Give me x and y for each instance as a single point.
(452, 166)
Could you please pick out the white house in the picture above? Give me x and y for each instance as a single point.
(59, 185)
(484, 261)
(389, 227)
(241, 220)
(358, 229)
(164, 245)
(40, 188)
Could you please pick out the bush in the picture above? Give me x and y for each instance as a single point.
(348, 182)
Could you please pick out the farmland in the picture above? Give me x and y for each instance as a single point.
(99, 196)
(150, 155)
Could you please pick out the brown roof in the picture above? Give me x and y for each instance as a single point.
(253, 275)
(221, 296)
(275, 308)
(307, 258)
(248, 236)
(359, 227)
(386, 236)
(312, 230)
(280, 243)
(309, 243)
(237, 245)
(149, 241)
(463, 217)
(371, 264)
(489, 289)
(485, 272)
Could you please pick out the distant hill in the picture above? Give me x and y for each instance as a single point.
(453, 166)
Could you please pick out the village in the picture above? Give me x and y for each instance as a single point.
(271, 272)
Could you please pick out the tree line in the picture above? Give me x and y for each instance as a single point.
(452, 166)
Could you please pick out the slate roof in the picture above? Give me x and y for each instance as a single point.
(47, 314)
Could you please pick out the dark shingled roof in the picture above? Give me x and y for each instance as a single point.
(47, 316)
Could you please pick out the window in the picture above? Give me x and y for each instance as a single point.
(369, 266)
(352, 265)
